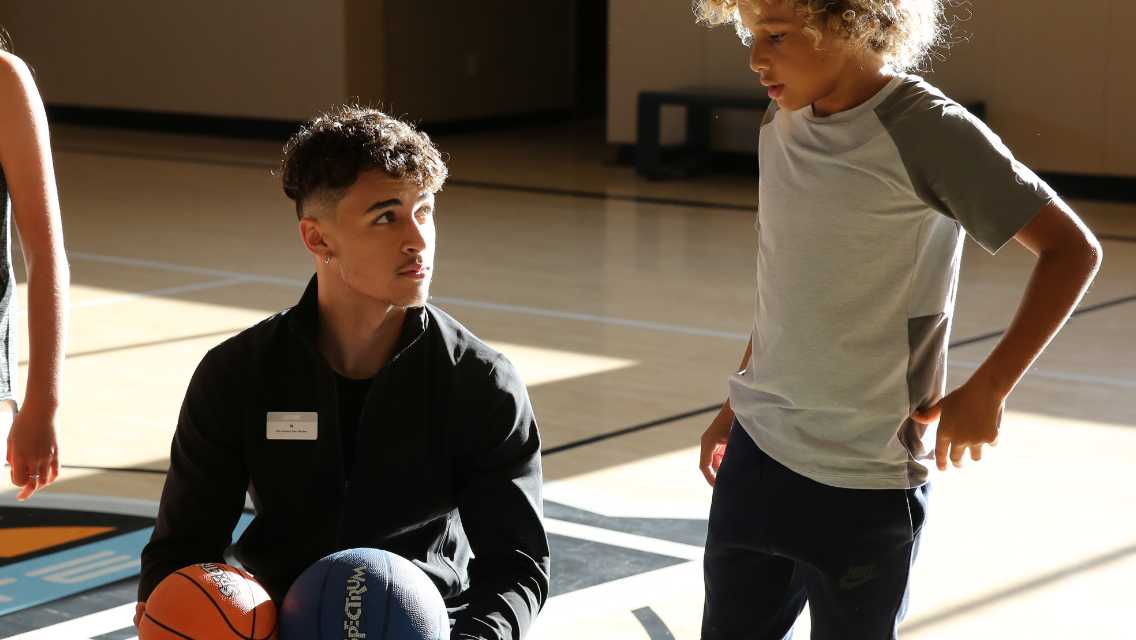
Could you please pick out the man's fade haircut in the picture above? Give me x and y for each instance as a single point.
(327, 154)
(903, 32)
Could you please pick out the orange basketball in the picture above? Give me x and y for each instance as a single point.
(208, 602)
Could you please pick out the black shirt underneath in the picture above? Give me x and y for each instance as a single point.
(352, 392)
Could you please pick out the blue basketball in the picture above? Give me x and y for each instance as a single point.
(367, 594)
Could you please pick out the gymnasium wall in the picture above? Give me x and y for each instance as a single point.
(1055, 76)
(276, 59)
(460, 60)
(439, 61)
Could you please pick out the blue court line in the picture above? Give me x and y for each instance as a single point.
(58, 575)
(53, 576)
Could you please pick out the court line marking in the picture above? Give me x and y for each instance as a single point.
(1077, 312)
(588, 317)
(617, 594)
(620, 539)
(534, 311)
(602, 195)
(159, 293)
(1047, 374)
(456, 182)
(654, 626)
(1032, 373)
(160, 342)
(118, 618)
(517, 309)
(149, 508)
(148, 343)
(152, 293)
(82, 467)
(1062, 376)
(607, 596)
(160, 265)
(102, 556)
(600, 437)
(538, 312)
(622, 594)
(751, 208)
(632, 429)
(248, 278)
(84, 627)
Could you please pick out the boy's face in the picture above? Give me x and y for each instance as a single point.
(796, 70)
(381, 235)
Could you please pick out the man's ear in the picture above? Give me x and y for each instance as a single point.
(312, 234)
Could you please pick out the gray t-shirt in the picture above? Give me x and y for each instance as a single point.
(860, 228)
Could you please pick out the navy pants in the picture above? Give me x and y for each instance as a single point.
(777, 539)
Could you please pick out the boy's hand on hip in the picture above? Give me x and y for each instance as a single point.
(714, 445)
(968, 418)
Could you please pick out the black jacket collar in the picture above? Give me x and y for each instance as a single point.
(304, 322)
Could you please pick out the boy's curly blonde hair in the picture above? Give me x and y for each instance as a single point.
(904, 32)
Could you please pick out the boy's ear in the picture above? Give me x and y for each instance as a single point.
(312, 234)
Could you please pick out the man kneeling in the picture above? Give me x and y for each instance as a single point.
(362, 416)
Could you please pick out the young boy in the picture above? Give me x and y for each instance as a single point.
(868, 179)
(410, 434)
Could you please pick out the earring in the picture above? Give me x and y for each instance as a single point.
(327, 259)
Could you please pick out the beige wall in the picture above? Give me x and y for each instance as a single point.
(253, 58)
(285, 59)
(653, 48)
(1054, 76)
(365, 60)
(456, 59)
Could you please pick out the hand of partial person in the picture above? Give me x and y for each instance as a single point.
(714, 445)
(139, 609)
(33, 454)
(969, 417)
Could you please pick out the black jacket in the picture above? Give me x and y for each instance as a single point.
(447, 461)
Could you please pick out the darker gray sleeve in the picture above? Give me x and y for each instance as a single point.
(960, 168)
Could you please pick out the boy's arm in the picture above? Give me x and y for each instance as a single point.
(25, 154)
(1068, 256)
(718, 433)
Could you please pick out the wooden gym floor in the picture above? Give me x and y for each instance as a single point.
(624, 304)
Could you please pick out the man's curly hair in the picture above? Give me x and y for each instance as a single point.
(903, 32)
(327, 154)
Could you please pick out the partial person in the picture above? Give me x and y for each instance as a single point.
(870, 179)
(29, 199)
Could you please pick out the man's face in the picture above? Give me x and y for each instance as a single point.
(796, 70)
(381, 236)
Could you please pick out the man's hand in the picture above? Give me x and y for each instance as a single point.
(139, 609)
(968, 418)
(714, 444)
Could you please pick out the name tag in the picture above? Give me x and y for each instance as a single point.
(293, 426)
